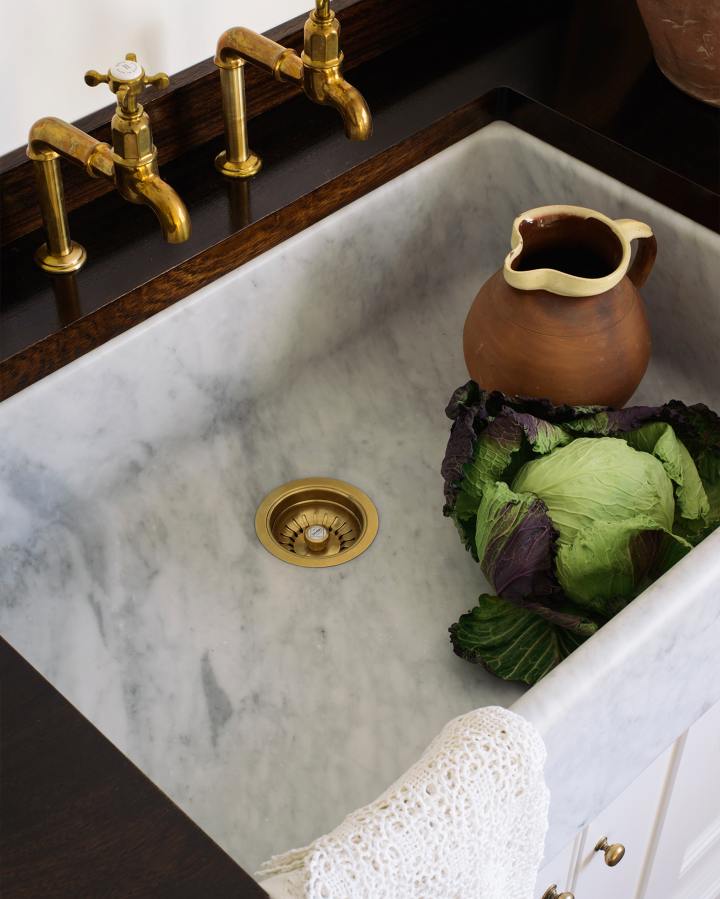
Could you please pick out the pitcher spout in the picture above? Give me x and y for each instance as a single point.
(571, 251)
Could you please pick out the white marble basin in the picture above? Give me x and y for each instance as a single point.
(269, 700)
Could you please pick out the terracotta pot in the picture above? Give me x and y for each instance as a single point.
(562, 318)
(685, 35)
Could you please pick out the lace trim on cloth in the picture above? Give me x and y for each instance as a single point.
(467, 821)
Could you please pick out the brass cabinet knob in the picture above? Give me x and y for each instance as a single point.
(614, 852)
(552, 893)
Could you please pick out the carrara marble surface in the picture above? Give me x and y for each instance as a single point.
(267, 700)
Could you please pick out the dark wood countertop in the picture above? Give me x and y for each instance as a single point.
(78, 818)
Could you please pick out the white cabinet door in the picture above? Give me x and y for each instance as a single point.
(629, 820)
(559, 871)
(687, 857)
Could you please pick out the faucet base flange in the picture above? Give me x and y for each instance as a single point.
(246, 168)
(55, 264)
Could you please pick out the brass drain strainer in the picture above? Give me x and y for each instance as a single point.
(316, 522)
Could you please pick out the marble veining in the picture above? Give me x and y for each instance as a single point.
(268, 700)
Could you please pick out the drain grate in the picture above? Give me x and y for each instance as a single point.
(316, 522)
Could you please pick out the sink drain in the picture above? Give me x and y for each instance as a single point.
(316, 522)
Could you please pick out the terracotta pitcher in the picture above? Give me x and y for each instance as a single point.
(563, 318)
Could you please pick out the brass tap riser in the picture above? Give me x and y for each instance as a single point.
(235, 47)
(50, 191)
(238, 160)
(49, 139)
(59, 253)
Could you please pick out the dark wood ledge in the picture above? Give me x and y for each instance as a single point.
(78, 819)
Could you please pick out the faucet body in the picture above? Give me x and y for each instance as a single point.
(130, 164)
(318, 71)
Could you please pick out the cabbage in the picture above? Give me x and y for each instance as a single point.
(571, 512)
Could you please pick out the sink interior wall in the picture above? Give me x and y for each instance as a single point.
(269, 701)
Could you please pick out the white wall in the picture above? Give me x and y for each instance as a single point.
(46, 48)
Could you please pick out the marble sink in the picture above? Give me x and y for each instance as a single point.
(268, 700)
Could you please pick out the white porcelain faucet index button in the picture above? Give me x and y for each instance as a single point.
(127, 70)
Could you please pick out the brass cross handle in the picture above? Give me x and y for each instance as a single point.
(127, 79)
(613, 852)
(552, 893)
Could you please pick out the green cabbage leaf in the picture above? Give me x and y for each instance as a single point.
(571, 512)
(516, 643)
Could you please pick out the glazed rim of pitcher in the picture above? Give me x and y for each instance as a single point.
(564, 283)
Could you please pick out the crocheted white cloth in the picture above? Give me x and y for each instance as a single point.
(467, 821)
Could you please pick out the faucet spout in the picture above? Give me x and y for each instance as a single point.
(352, 107)
(171, 212)
(323, 81)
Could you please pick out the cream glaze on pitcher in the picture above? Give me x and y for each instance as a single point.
(563, 318)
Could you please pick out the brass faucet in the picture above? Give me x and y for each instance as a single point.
(317, 71)
(131, 164)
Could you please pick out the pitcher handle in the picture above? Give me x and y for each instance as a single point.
(646, 252)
